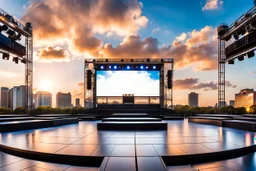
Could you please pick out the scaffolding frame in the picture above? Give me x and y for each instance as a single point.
(27, 32)
(166, 95)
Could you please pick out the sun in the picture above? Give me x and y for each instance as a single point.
(45, 85)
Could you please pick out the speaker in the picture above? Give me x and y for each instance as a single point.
(169, 79)
(89, 79)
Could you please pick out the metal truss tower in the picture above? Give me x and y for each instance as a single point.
(243, 30)
(27, 32)
(221, 74)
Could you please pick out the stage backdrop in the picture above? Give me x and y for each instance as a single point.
(117, 83)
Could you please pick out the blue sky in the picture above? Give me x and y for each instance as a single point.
(161, 23)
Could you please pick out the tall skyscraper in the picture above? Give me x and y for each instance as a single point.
(16, 97)
(193, 99)
(78, 102)
(4, 97)
(43, 98)
(245, 98)
(63, 100)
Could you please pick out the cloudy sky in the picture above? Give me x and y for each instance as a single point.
(67, 31)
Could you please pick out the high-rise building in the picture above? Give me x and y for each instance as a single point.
(232, 103)
(4, 97)
(16, 97)
(193, 99)
(245, 98)
(63, 100)
(43, 98)
(78, 102)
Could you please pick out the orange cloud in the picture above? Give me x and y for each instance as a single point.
(53, 54)
(212, 4)
(77, 21)
(197, 48)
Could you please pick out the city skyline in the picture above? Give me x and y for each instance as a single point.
(160, 28)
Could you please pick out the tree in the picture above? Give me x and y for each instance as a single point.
(253, 109)
(5, 110)
(19, 110)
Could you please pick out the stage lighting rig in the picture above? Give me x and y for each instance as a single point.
(14, 31)
(244, 32)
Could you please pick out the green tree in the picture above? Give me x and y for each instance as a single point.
(5, 110)
(19, 110)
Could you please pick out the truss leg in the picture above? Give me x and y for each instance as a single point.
(221, 74)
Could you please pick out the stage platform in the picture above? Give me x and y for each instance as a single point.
(232, 121)
(83, 144)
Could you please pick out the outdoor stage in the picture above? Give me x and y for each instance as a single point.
(83, 144)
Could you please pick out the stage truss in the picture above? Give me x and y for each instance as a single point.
(166, 94)
(26, 31)
(243, 31)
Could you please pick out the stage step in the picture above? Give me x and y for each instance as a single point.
(132, 126)
(128, 119)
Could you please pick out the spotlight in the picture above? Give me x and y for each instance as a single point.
(128, 67)
(15, 60)
(11, 34)
(231, 62)
(102, 67)
(251, 54)
(236, 36)
(146, 67)
(6, 56)
(141, 67)
(17, 37)
(241, 58)
(24, 61)
(109, 67)
(115, 67)
(154, 67)
(3, 28)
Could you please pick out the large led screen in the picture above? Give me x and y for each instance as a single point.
(117, 83)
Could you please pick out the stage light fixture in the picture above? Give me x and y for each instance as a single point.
(132, 60)
(15, 60)
(102, 67)
(106, 60)
(6, 56)
(115, 67)
(141, 67)
(3, 28)
(146, 67)
(11, 34)
(231, 62)
(236, 36)
(251, 54)
(148, 60)
(122, 60)
(154, 67)
(109, 67)
(241, 58)
(17, 37)
(128, 67)
(24, 61)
